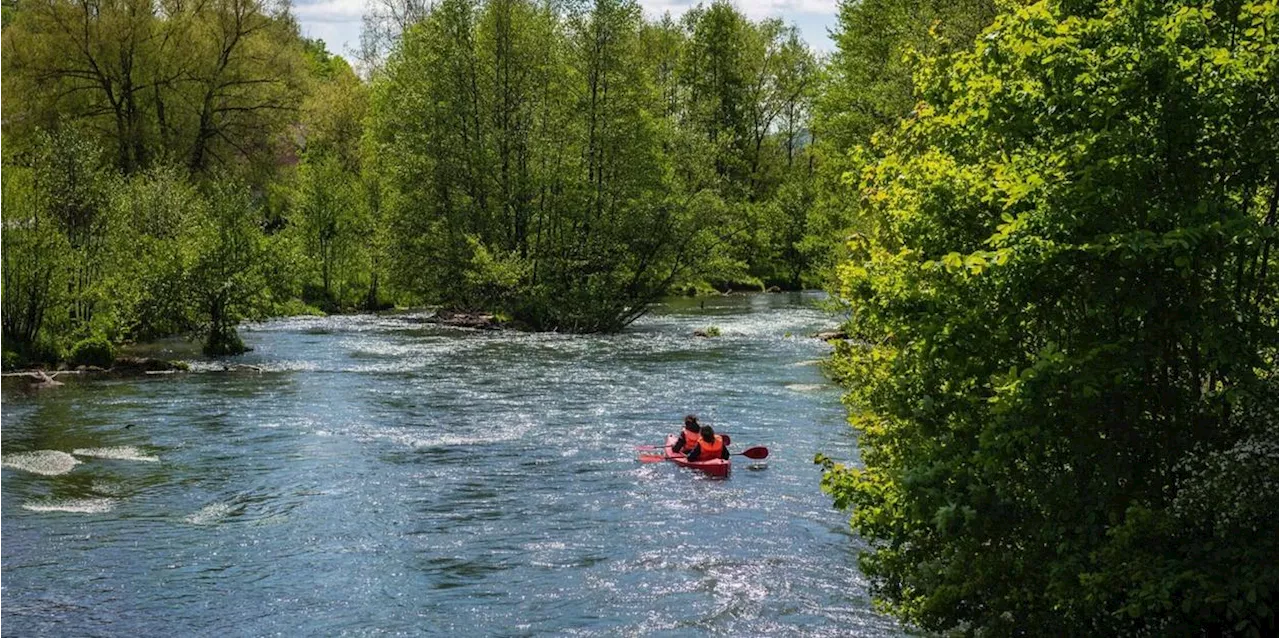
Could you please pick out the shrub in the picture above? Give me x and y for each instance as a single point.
(94, 351)
(11, 361)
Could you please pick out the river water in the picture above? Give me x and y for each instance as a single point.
(381, 475)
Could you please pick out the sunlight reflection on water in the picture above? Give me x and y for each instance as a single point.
(375, 474)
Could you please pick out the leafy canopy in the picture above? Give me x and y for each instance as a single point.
(1063, 297)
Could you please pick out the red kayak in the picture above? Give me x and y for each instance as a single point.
(714, 467)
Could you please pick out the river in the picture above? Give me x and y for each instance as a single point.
(381, 475)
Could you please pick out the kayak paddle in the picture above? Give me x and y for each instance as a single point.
(757, 453)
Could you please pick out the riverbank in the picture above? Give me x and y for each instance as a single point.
(103, 360)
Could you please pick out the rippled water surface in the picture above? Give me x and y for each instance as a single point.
(382, 475)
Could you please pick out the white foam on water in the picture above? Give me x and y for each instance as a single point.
(74, 505)
(413, 440)
(806, 387)
(806, 362)
(209, 514)
(203, 366)
(122, 453)
(44, 462)
(104, 487)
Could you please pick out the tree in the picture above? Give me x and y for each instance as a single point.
(384, 24)
(156, 80)
(796, 82)
(326, 214)
(663, 42)
(146, 275)
(245, 80)
(598, 275)
(1064, 305)
(118, 114)
(33, 254)
(8, 8)
(73, 189)
(718, 80)
(744, 89)
(427, 127)
(85, 60)
(332, 114)
(224, 256)
(868, 88)
(530, 164)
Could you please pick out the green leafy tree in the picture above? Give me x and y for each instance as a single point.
(744, 90)
(73, 189)
(225, 254)
(34, 278)
(8, 8)
(1063, 355)
(427, 130)
(326, 214)
(147, 277)
(530, 166)
(867, 88)
(208, 83)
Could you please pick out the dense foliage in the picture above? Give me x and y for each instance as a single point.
(1063, 328)
(868, 88)
(175, 168)
(570, 166)
(149, 151)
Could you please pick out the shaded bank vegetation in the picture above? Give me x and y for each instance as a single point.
(1061, 276)
(176, 167)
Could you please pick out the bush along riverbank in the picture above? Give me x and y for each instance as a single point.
(1063, 363)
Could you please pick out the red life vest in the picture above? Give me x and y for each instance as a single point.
(708, 451)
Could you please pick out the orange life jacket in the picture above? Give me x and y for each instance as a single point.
(689, 440)
(708, 451)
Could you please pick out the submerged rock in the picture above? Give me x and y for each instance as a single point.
(240, 367)
(145, 365)
(461, 319)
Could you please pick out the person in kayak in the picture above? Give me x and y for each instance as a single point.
(710, 446)
(690, 436)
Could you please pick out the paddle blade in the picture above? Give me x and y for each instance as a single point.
(756, 453)
(652, 458)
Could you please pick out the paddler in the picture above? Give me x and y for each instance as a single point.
(690, 436)
(710, 446)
